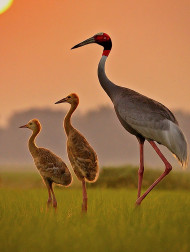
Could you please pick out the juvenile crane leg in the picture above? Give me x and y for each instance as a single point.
(141, 168)
(84, 204)
(54, 199)
(49, 201)
(50, 198)
(167, 170)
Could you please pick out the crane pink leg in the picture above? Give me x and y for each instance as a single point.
(85, 198)
(54, 199)
(48, 184)
(49, 198)
(167, 170)
(141, 168)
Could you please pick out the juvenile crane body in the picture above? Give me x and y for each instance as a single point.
(141, 116)
(51, 167)
(81, 155)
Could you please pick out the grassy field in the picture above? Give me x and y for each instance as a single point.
(113, 223)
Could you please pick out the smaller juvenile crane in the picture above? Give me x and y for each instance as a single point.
(51, 167)
(81, 155)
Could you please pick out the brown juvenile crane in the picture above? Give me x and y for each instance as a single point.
(51, 167)
(81, 155)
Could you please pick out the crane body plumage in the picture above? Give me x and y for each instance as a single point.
(141, 116)
(81, 155)
(51, 167)
(144, 117)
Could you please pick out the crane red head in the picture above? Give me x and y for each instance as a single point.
(101, 39)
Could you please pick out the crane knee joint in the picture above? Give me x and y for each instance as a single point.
(168, 168)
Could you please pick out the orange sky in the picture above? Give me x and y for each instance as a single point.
(151, 51)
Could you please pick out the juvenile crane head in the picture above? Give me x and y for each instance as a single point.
(101, 38)
(33, 125)
(71, 99)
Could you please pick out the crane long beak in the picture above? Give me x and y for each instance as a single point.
(61, 101)
(24, 126)
(85, 42)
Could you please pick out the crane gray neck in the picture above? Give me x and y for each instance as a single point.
(107, 85)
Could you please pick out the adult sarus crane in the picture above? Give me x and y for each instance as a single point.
(141, 116)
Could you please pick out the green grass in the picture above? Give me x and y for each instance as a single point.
(161, 223)
(113, 223)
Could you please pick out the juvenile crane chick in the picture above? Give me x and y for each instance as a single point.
(81, 155)
(51, 167)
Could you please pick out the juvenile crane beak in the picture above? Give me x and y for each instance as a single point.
(24, 126)
(85, 42)
(61, 101)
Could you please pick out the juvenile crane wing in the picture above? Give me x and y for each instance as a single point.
(82, 157)
(51, 166)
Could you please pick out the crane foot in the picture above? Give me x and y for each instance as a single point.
(49, 202)
(138, 201)
(55, 204)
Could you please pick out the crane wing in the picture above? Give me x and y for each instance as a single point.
(52, 167)
(82, 157)
(141, 112)
(153, 121)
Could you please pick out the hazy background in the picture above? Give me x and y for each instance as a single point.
(112, 143)
(151, 55)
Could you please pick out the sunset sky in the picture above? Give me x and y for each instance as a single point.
(151, 52)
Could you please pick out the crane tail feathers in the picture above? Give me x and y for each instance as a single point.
(178, 144)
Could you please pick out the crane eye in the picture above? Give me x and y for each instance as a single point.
(69, 96)
(30, 123)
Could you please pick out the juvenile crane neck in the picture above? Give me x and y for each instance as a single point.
(67, 120)
(108, 86)
(31, 143)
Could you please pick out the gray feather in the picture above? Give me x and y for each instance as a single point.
(144, 117)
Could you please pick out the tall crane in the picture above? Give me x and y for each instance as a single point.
(141, 116)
